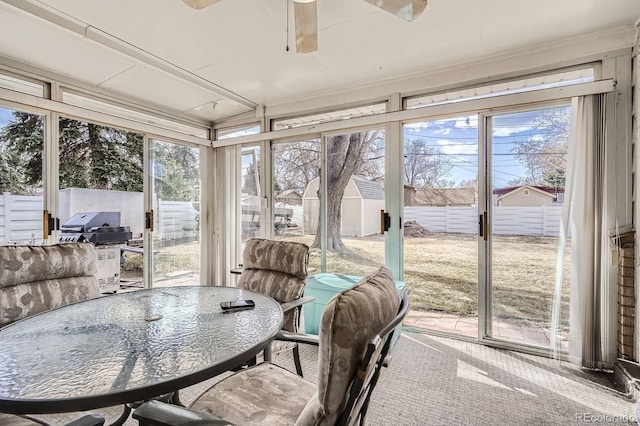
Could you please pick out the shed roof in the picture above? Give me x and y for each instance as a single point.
(369, 190)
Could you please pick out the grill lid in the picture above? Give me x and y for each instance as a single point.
(83, 222)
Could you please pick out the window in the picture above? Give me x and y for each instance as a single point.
(505, 88)
(238, 131)
(130, 114)
(22, 85)
(325, 117)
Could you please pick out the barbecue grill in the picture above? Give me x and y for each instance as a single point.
(104, 231)
(99, 228)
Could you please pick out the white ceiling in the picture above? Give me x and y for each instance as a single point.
(232, 55)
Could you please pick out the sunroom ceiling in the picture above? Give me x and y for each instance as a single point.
(231, 58)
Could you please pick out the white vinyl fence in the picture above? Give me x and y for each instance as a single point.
(541, 220)
(21, 219)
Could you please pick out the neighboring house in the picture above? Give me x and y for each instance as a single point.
(528, 195)
(440, 196)
(289, 196)
(361, 204)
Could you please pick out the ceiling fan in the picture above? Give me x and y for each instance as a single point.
(306, 16)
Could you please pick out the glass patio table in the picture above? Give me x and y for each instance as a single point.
(128, 347)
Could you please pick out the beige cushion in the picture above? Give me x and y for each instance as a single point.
(269, 395)
(23, 300)
(349, 321)
(281, 256)
(26, 264)
(262, 395)
(34, 279)
(277, 269)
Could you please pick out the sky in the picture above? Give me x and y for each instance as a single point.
(5, 116)
(458, 138)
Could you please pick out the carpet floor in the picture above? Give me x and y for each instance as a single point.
(435, 380)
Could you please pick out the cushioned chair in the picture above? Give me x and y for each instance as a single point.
(34, 279)
(355, 335)
(279, 270)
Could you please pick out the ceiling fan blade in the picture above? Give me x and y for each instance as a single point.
(306, 22)
(200, 4)
(405, 9)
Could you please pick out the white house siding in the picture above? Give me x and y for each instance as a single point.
(352, 213)
(517, 198)
(360, 216)
(371, 217)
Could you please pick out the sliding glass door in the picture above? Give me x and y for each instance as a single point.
(441, 223)
(483, 201)
(527, 153)
(175, 240)
(22, 178)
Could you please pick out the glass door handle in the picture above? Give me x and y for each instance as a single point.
(483, 223)
(385, 221)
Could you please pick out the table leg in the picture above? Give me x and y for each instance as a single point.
(267, 353)
(126, 410)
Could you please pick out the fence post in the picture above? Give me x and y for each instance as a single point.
(6, 200)
(544, 221)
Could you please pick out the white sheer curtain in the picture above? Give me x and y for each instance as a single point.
(583, 217)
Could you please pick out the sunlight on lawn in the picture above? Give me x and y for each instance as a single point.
(439, 269)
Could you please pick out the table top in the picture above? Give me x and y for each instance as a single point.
(128, 347)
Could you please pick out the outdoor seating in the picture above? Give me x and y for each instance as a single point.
(278, 269)
(354, 341)
(34, 279)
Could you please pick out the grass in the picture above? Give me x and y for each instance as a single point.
(441, 271)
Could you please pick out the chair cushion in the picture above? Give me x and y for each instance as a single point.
(22, 300)
(278, 285)
(282, 256)
(25, 264)
(349, 321)
(262, 395)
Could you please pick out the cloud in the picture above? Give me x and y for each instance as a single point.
(470, 121)
(452, 148)
(511, 130)
(513, 124)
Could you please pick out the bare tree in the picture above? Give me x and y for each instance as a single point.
(345, 157)
(296, 164)
(424, 165)
(544, 154)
